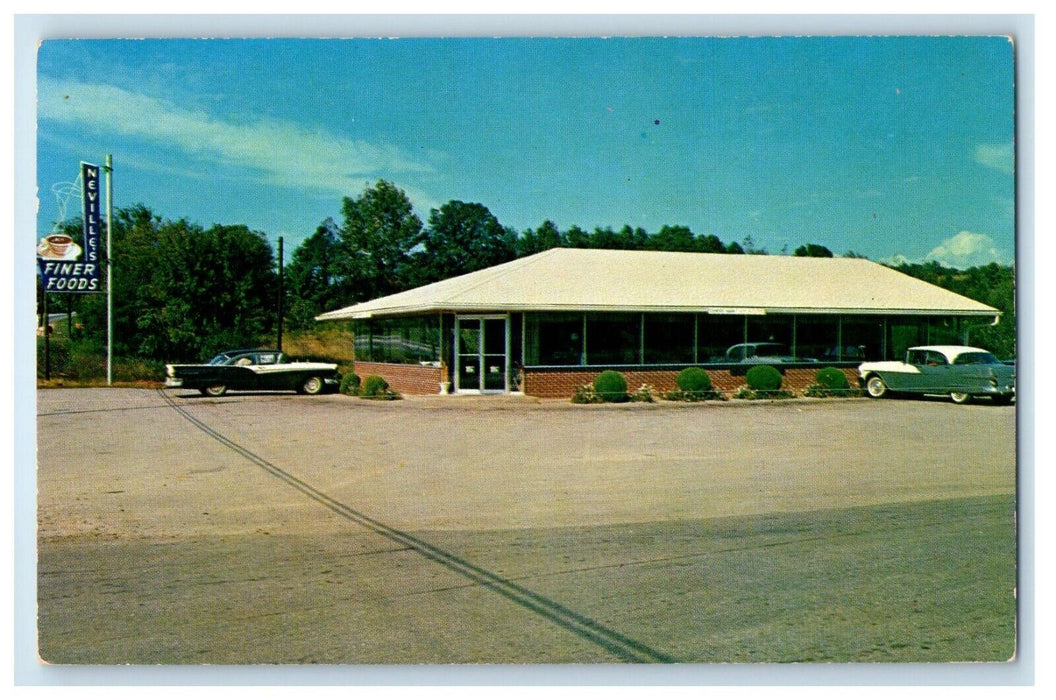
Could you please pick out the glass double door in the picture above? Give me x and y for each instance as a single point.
(482, 354)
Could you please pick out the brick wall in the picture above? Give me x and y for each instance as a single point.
(404, 379)
(562, 383)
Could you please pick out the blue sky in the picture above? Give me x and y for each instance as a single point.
(897, 147)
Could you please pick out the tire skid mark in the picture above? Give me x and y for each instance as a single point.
(619, 645)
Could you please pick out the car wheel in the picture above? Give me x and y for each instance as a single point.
(215, 390)
(1002, 399)
(960, 397)
(312, 386)
(875, 387)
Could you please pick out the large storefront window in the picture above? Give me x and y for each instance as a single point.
(717, 334)
(399, 340)
(944, 331)
(904, 333)
(774, 334)
(669, 338)
(817, 338)
(685, 339)
(862, 339)
(614, 339)
(553, 339)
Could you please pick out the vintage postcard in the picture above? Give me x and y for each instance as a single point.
(527, 350)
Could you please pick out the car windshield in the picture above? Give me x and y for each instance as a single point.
(220, 359)
(975, 358)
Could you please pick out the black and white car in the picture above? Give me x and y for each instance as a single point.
(260, 370)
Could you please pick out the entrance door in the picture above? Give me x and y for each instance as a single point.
(483, 354)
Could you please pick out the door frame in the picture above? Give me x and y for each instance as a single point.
(481, 318)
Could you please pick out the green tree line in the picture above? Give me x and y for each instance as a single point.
(183, 292)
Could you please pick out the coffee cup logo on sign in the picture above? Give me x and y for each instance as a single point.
(58, 246)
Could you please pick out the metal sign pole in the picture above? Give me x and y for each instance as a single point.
(109, 275)
(47, 340)
(282, 293)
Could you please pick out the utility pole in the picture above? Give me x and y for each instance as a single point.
(281, 294)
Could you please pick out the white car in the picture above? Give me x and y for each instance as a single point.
(958, 371)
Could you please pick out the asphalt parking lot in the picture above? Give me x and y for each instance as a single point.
(275, 528)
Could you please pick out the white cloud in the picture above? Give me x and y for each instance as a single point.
(966, 249)
(996, 156)
(278, 153)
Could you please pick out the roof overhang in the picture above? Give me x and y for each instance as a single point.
(605, 281)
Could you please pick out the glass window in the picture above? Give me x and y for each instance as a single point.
(669, 338)
(943, 331)
(936, 359)
(904, 333)
(614, 339)
(862, 339)
(917, 357)
(774, 331)
(976, 358)
(398, 340)
(717, 334)
(818, 338)
(553, 339)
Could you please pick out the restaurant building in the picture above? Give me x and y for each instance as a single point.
(546, 324)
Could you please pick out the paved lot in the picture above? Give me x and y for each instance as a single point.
(273, 528)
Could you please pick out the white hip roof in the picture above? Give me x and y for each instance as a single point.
(564, 279)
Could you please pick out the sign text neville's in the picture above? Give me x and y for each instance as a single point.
(64, 265)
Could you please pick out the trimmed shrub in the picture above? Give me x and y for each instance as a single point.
(611, 386)
(350, 384)
(832, 379)
(374, 387)
(693, 380)
(763, 378)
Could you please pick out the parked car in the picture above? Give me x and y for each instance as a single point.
(960, 372)
(762, 353)
(253, 370)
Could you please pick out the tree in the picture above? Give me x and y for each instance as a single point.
(748, 246)
(184, 293)
(812, 250)
(313, 280)
(991, 284)
(545, 237)
(674, 238)
(604, 238)
(379, 232)
(710, 244)
(462, 238)
(632, 238)
(576, 237)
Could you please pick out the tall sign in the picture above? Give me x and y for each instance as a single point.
(66, 266)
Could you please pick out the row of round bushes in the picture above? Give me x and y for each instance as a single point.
(373, 387)
(694, 384)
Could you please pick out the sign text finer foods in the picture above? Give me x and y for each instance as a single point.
(82, 273)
